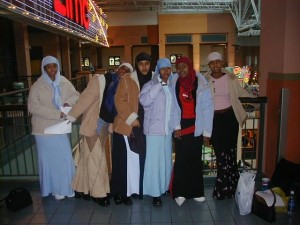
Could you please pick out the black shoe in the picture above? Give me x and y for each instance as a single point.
(157, 202)
(103, 201)
(82, 195)
(127, 201)
(167, 193)
(118, 199)
(137, 196)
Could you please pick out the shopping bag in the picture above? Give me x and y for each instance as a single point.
(244, 192)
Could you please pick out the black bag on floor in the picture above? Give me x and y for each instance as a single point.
(18, 199)
(262, 210)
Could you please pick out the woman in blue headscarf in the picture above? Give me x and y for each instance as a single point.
(158, 101)
(46, 97)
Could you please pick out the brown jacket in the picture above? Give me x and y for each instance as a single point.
(89, 104)
(126, 102)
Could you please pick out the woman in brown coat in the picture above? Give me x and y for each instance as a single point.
(125, 162)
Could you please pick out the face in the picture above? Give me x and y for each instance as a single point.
(144, 67)
(215, 66)
(165, 73)
(182, 69)
(51, 70)
(123, 70)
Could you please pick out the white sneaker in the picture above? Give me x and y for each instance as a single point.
(71, 195)
(180, 200)
(58, 197)
(200, 199)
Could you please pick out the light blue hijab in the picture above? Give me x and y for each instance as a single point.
(54, 84)
(162, 63)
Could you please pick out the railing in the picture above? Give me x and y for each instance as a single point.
(250, 140)
(20, 96)
(18, 155)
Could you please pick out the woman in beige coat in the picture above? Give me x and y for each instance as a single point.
(91, 177)
(46, 97)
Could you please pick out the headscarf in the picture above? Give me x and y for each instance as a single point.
(187, 82)
(141, 77)
(162, 63)
(128, 65)
(54, 84)
(112, 88)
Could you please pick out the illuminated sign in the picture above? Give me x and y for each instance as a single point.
(75, 10)
(81, 18)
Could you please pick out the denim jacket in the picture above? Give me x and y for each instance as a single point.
(204, 106)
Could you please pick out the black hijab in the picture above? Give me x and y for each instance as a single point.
(142, 78)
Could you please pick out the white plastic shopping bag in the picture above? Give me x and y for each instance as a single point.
(244, 192)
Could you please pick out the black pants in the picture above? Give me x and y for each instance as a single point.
(224, 141)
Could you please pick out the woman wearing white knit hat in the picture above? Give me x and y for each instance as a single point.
(228, 115)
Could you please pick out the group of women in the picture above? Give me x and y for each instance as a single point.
(146, 112)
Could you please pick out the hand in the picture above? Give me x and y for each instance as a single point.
(206, 141)
(62, 115)
(136, 123)
(177, 134)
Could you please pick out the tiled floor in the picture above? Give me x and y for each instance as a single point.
(80, 212)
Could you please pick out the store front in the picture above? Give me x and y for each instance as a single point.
(40, 28)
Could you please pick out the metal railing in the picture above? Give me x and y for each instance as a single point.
(250, 140)
(18, 155)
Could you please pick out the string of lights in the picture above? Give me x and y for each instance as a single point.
(43, 12)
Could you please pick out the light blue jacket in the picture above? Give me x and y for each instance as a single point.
(153, 99)
(204, 106)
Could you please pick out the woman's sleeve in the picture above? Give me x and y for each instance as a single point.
(72, 94)
(207, 110)
(242, 92)
(149, 93)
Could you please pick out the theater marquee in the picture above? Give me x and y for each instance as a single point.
(80, 18)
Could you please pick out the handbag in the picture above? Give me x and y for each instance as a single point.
(18, 199)
(262, 210)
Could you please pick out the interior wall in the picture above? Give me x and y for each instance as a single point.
(112, 51)
(279, 62)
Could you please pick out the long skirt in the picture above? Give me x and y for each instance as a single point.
(188, 176)
(125, 168)
(56, 165)
(158, 165)
(224, 141)
(91, 174)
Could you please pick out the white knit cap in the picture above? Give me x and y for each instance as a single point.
(214, 56)
(127, 65)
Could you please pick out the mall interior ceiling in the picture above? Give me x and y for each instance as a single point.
(246, 13)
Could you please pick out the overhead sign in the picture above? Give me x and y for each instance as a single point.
(82, 18)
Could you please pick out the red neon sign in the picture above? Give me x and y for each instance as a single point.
(75, 10)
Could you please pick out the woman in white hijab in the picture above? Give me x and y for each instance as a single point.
(46, 97)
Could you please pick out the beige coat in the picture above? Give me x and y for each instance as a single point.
(89, 105)
(235, 91)
(91, 174)
(40, 103)
(127, 103)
